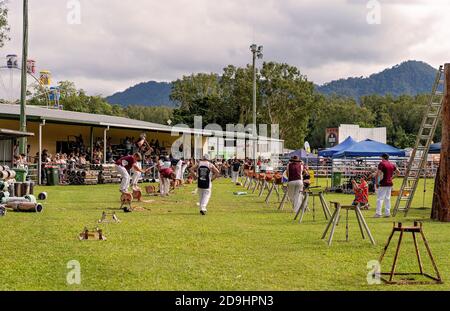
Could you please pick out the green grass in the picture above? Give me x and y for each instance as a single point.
(241, 244)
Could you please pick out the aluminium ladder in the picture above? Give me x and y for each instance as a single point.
(419, 155)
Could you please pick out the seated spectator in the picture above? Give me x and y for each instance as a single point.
(361, 193)
(306, 178)
(82, 160)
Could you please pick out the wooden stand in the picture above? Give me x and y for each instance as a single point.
(417, 228)
(150, 190)
(304, 206)
(137, 195)
(259, 178)
(95, 234)
(264, 186)
(105, 219)
(125, 200)
(246, 180)
(250, 182)
(285, 197)
(335, 220)
(275, 187)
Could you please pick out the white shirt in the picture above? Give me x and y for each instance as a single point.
(208, 165)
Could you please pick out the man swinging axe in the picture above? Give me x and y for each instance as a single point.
(124, 165)
(142, 147)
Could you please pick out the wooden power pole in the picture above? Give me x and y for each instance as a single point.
(23, 80)
(441, 198)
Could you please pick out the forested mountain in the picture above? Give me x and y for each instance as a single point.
(150, 93)
(407, 78)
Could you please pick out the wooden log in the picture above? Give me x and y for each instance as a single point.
(441, 198)
(26, 207)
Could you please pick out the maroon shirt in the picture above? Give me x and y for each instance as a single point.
(295, 171)
(166, 172)
(388, 170)
(127, 162)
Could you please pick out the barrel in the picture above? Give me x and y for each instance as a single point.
(4, 195)
(336, 179)
(7, 174)
(31, 187)
(12, 200)
(21, 174)
(11, 190)
(18, 189)
(31, 198)
(26, 188)
(42, 196)
(3, 185)
(26, 207)
(52, 176)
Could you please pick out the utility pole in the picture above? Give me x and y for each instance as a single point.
(257, 53)
(23, 86)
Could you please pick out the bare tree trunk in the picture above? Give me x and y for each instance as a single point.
(441, 196)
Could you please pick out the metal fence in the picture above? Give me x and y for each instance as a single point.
(350, 168)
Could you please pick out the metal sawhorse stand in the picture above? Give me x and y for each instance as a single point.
(285, 197)
(275, 187)
(417, 228)
(304, 205)
(335, 220)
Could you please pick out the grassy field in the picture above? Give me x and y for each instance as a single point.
(241, 244)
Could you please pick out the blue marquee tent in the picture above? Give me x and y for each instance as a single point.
(302, 154)
(435, 148)
(369, 148)
(347, 143)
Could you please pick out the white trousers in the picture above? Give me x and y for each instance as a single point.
(135, 175)
(183, 171)
(125, 183)
(234, 176)
(164, 185)
(384, 195)
(295, 189)
(204, 196)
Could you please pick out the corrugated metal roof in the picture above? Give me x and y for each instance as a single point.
(43, 113)
(72, 117)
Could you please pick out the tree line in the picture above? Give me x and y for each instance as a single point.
(284, 96)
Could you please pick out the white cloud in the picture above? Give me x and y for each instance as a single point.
(122, 43)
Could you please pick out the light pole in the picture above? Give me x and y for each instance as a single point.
(23, 85)
(257, 52)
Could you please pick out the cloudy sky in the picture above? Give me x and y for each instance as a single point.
(120, 43)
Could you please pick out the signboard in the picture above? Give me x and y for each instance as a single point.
(331, 137)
